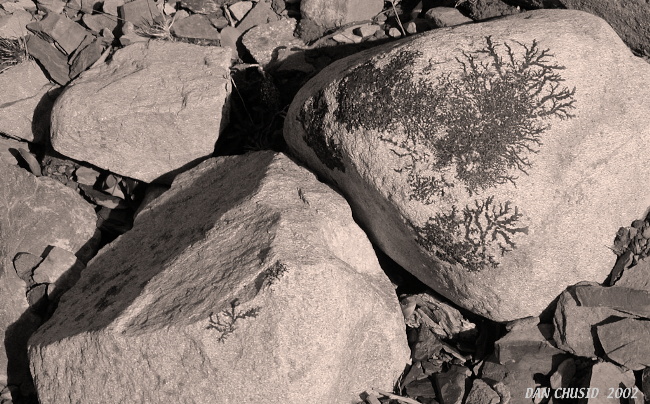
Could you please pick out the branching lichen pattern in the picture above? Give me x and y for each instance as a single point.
(475, 128)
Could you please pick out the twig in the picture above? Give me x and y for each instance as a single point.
(401, 27)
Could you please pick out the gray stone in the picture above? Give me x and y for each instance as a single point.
(331, 14)
(262, 13)
(247, 281)
(12, 26)
(481, 393)
(139, 12)
(404, 131)
(451, 384)
(196, 26)
(265, 42)
(528, 349)
(35, 214)
(446, 17)
(97, 22)
(575, 325)
(636, 277)
(85, 57)
(561, 378)
(9, 148)
(25, 87)
(605, 376)
(155, 107)
(240, 9)
(66, 33)
(626, 342)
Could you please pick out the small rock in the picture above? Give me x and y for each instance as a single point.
(421, 388)
(112, 6)
(605, 376)
(394, 33)
(19, 5)
(139, 12)
(98, 22)
(265, 41)
(346, 38)
(262, 13)
(196, 26)
(446, 17)
(201, 6)
(37, 296)
(481, 393)
(240, 9)
(528, 348)
(51, 6)
(67, 34)
(129, 35)
(336, 13)
(626, 342)
(417, 25)
(61, 269)
(563, 374)
(24, 265)
(451, 384)
(25, 103)
(86, 175)
(366, 30)
(9, 147)
(636, 277)
(218, 21)
(54, 61)
(12, 26)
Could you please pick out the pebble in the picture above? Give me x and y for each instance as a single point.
(394, 33)
(240, 9)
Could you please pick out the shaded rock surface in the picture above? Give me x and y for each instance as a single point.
(24, 91)
(153, 108)
(626, 342)
(36, 214)
(331, 14)
(468, 214)
(209, 306)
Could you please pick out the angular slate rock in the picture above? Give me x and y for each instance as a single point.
(637, 277)
(196, 26)
(472, 180)
(481, 393)
(606, 376)
(247, 281)
(632, 301)
(332, 14)
(575, 325)
(24, 88)
(451, 384)
(66, 33)
(153, 108)
(626, 342)
(35, 214)
(264, 42)
(53, 60)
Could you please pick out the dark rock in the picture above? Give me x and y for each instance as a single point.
(451, 384)
(139, 12)
(575, 325)
(481, 393)
(626, 342)
(529, 348)
(622, 262)
(85, 58)
(605, 376)
(562, 377)
(632, 301)
(196, 26)
(421, 388)
(645, 381)
(66, 33)
(446, 17)
(426, 345)
(636, 277)
(485, 9)
(53, 60)
(24, 264)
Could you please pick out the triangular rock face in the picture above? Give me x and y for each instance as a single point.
(247, 281)
(495, 161)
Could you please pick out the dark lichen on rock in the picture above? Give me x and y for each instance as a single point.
(312, 116)
(468, 237)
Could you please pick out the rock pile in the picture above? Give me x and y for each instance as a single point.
(140, 232)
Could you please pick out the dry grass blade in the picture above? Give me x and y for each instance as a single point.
(157, 29)
(12, 52)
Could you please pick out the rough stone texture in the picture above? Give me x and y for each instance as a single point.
(481, 393)
(633, 301)
(529, 349)
(605, 376)
(451, 384)
(575, 325)
(626, 342)
(35, 213)
(9, 150)
(331, 14)
(262, 13)
(484, 9)
(12, 26)
(630, 19)
(67, 34)
(254, 229)
(153, 108)
(264, 42)
(478, 187)
(637, 277)
(22, 100)
(561, 378)
(446, 17)
(195, 26)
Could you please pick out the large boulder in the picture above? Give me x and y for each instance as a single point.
(494, 161)
(247, 281)
(36, 215)
(154, 108)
